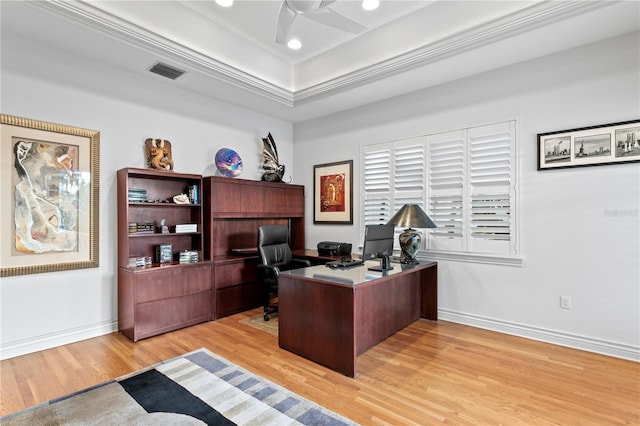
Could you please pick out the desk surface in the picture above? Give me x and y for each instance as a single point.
(351, 276)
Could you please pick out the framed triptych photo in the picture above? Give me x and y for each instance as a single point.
(590, 146)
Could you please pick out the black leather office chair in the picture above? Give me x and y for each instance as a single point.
(275, 256)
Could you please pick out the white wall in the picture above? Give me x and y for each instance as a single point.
(579, 228)
(580, 231)
(45, 310)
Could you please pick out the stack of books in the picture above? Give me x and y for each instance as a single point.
(188, 256)
(137, 262)
(186, 227)
(137, 195)
(141, 228)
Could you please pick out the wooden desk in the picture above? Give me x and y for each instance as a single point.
(331, 316)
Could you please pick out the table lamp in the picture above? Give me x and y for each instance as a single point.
(410, 216)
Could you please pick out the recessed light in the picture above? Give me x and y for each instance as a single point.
(294, 44)
(225, 3)
(370, 4)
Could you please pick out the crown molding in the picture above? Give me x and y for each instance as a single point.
(102, 22)
(527, 19)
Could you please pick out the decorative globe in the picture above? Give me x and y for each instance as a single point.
(228, 162)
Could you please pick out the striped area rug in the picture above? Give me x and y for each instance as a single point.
(194, 389)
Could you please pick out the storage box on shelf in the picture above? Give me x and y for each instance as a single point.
(233, 211)
(169, 294)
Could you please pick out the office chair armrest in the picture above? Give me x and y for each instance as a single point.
(302, 262)
(273, 268)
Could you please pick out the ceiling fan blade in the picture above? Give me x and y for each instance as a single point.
(326, 3)
(285, 21)
(337, 20)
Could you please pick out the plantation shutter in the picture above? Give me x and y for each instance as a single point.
(409, 173)
(490, 170)
(446, 161)
(409, 179)
(377, 184)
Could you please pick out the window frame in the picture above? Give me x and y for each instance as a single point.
(500, 193)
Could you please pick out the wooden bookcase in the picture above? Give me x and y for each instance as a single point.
(233, 211)
(157, 298)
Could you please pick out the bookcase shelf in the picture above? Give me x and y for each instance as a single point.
(161, 235)
(157, 298)
(163, 205)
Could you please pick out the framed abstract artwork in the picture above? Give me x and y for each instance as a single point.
(333, 193)
(49, 197)
(590, 146)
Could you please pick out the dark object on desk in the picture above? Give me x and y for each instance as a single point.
(344, 263)
(332, 248)
(385, 264)
(275, 256)
(378, 243)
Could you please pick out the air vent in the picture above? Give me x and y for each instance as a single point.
(166, 70)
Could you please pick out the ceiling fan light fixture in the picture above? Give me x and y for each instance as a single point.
(294, 44)
(316, 10)
(370, 4)
(225, 3)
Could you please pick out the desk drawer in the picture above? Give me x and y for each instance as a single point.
(231, 300)
(164, 315)
(163, 283)
(233, 273)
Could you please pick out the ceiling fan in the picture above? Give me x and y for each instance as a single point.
(317, 10)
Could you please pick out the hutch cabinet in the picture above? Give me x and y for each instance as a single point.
(233, 211)
(164, 280)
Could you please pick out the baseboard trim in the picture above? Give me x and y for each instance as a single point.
(589, 344)
(604, 347)
(47, 341)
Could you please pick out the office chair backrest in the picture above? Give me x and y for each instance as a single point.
(273, 244)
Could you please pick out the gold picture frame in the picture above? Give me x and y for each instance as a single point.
(333, 193)
(49, 197)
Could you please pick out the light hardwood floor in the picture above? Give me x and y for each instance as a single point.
(428, 373)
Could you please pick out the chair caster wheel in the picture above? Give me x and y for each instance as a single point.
(266, 317)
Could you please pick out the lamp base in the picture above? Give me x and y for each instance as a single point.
(409, 245)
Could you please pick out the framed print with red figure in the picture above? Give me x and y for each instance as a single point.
(333, 193)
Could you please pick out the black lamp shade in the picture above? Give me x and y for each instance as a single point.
(410, 216)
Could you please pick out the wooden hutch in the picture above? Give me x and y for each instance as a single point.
(233, 211)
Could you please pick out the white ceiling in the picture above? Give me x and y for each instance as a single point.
(256, 21)
(230, 53)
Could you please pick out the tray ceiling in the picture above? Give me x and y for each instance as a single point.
(231, 54)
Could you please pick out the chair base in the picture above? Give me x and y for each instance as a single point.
(268, 310)
(270, 303)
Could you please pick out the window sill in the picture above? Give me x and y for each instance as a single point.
(492, 259)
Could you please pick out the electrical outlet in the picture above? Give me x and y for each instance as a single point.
(565, 302)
